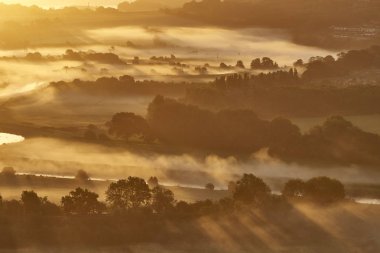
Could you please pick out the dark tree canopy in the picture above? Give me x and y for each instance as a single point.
(295, 188)
(162, 200)
(132, 193)
(335, 142)
(8, 172)
(264, 63)
(325, 190)
(153, 182)
(240, 64)
(82, 201)
(126, 125)
(210, 186)
(82, 176)
(251, 189)
(31, 202)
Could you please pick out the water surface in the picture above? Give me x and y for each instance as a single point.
(10, 138)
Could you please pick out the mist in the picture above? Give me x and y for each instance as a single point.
(189, 126)
(64, 158)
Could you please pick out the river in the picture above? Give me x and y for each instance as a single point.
(10, 138)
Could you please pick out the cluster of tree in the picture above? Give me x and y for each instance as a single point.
(164, 58)
(346, 63)
(135, 195)
(133, 213)
(10, 178)
(33, 57)
(337, 141)
(284, 93)
(29, 204)
(319, 67)
(277, 78)
(322, 190)
(127, 125)
(264, 63)
(122, 86)
(71, 55)
(108, 58)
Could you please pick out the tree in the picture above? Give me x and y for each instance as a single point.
(82, 176)
(153, 182)
(8, 172)
(82, 201)
(295, 188)
(240, 64)
(136, 60)
(298, 63)
(268, 63)
(162, 200)
(31, 202)
(126, 125)
(325, 190)
(128, 194)
(209, 187)
(251, 189)
(223, 66)
(256, 63)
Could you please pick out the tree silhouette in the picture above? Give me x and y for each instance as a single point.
(295, 188)
(223, 66)
(31, 202)
(132, 193)
(251, 189)
(82, 201)
(8, 172)
(240, 64)
(82, 176)
(153, 182)
(209, 187)
(162, 200)
(126, 125)
(325, 190)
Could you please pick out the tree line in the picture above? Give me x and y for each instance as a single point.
(131, 195)
(242, 132)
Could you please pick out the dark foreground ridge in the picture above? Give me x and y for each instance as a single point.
(137, 212)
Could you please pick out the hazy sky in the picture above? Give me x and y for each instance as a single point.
(61, 3)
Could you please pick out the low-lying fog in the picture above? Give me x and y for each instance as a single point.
(189, 44)
(58, 157)
(206, 44)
